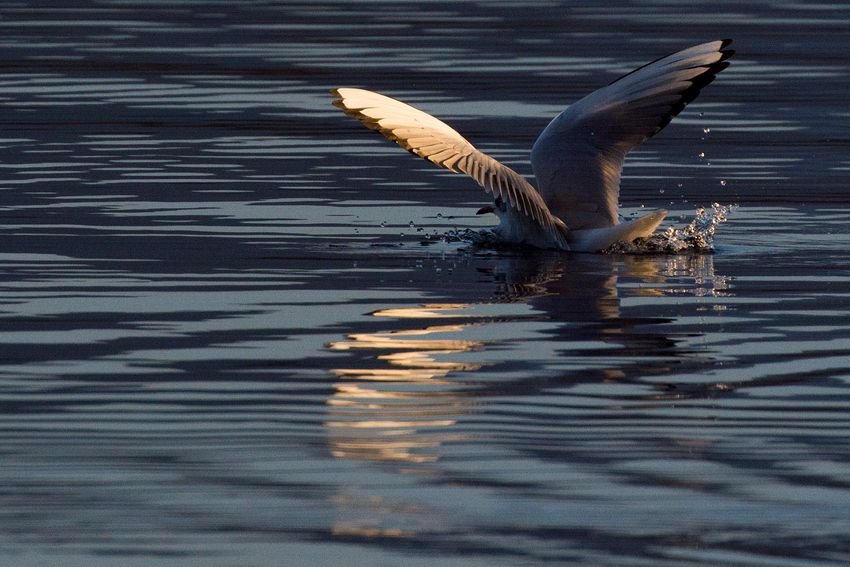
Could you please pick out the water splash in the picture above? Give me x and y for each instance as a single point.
(484, 238)
(697, 237)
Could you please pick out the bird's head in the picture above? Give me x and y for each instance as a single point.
(498, 207)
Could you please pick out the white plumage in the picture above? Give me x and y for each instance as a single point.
(577, 160)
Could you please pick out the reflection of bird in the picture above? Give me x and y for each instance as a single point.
(577, 160)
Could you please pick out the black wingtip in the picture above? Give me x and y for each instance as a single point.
(724, 55)
(697, 83)
(727, 53)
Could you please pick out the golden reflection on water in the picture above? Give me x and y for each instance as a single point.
(411, 395)
(427, 311)
(398, 411)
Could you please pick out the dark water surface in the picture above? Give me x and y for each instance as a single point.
(231, 334)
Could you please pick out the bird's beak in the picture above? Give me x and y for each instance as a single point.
(485, 210)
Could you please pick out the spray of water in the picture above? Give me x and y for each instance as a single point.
(697, 237)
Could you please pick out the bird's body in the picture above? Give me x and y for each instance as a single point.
(577, 160)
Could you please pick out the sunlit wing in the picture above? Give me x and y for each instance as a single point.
(578, 158)
(429, 138)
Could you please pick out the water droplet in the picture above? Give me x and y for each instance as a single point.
(661, 190)
(356, 231)
(440, 216)
(680, 184)
(427, 236)
(723, 183)
(702, 154)
(702, 113)
(706, 130)
(384, 224)
(451, 219)
(402, 235)
(411, 225)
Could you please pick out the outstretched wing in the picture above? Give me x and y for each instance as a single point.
(578, 158)
(429, 138)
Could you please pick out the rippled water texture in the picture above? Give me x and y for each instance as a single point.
(238, 328)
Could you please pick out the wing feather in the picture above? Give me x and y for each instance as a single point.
(578, 158)
(429, 138)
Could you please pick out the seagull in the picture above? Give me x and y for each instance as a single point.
(577, 160)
